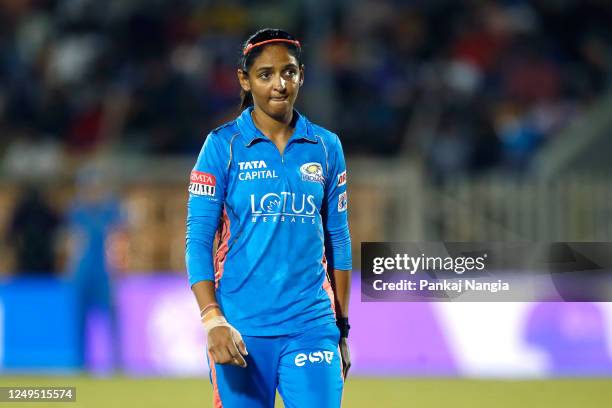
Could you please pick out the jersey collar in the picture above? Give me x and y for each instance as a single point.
(249, 130)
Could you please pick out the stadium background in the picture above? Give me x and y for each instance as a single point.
(462, 121)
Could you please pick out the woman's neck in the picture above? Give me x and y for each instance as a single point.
(275, 129)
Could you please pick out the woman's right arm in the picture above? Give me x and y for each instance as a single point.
(206, 197)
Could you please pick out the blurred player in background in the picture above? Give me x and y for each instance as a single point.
(32, 232)
(272, 185)
(95, 220)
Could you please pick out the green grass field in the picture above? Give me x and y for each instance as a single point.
(360, 392)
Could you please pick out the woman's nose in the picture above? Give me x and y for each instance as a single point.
(280, 83)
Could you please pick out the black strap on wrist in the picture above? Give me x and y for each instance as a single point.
(343, 326)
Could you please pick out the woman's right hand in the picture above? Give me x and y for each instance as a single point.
(226, 346)
(225, 343)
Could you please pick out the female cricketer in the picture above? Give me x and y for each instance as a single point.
(272, 186)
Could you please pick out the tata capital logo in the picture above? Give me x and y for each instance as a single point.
(312, 172)
(314, 358)
(282, 207)
(254, 170)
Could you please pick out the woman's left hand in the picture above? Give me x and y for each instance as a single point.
(345, 354)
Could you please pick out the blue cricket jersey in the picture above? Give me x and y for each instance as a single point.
(273, 214)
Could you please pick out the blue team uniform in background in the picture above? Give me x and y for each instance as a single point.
(275, 215)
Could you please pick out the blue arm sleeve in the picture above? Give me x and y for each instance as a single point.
(207, 185)
(337, 236)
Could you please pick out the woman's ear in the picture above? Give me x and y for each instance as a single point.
(243, 78)
(301, 75)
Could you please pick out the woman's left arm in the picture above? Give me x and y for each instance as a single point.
(338, 243)
(342, 290)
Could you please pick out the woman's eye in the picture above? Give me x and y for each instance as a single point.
(290, 73)
(264, 75)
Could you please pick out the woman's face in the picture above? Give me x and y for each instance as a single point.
(274, 80)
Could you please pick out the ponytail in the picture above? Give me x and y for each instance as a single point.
(246, 99)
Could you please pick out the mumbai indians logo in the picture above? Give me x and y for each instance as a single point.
(312, 172)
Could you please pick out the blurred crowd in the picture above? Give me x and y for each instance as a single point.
(462, 85)
(467, 85)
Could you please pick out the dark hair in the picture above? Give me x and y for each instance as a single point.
(246, 60)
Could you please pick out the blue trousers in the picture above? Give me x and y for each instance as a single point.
(305, 367)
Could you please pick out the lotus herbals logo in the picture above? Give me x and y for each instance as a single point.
(283, 207)
(312, 172)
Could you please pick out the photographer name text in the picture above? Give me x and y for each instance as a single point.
(442, 285)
